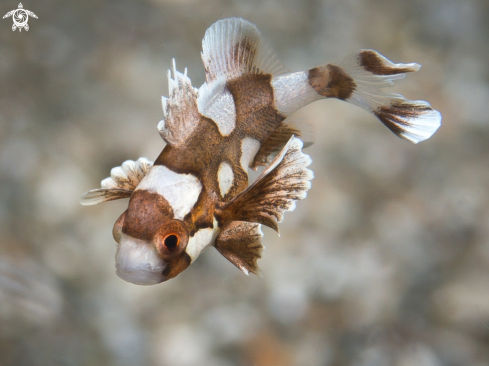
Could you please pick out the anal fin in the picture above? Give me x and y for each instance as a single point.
(240, 243)
(275, 191)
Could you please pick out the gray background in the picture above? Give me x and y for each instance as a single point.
(385, 263)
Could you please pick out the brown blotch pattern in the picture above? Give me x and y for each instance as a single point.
(256, 114)
(206, 148)
(331, 81)
(177, 265)
(373, 63)
(146, 213)
(396, 115)
(202, 214)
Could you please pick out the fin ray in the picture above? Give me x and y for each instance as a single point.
(180, 111)
(96, 196)
(415, 121)
(284, 181)
(278, 139)
(360, 79)
(122, 182)
(233, 47)
(240, 243)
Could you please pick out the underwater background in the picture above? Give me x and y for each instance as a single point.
(385, 263)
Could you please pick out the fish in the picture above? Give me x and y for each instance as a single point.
(196, 193)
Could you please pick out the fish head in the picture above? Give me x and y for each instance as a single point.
(151, 242)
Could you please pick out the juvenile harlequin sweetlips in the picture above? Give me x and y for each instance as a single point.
(196, 192)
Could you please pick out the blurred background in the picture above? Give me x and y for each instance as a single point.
(386, 263)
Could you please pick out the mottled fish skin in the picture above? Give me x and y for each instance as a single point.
(196, 192)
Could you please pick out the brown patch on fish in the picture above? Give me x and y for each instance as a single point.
(177, 265)
(372, 62)
(256, 114)
(146, 213)
(395, 116)
(206, 148)
(202, 214)
(331, 81)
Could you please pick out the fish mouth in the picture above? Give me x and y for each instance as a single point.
(137, 262)
(138, 276)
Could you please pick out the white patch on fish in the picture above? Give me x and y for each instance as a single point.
(293, 91)
(201, 240)
(249, 148)
(180, 190)
(137, 262)
(225, 177)
(217, 103)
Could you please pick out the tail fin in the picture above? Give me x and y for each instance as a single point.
(413, 120)
(360, 79)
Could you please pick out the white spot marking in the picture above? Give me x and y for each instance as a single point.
(292, 91)
(201, 240)
(249, 148)
(180, 190)
(222, 111)
(225, 177)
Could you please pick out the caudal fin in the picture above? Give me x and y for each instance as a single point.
(361, 78)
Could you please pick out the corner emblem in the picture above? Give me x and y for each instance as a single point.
(20, 17)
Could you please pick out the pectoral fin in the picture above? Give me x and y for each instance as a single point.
(275, 191)
(100, 195)
(122, 182)
(240, 243)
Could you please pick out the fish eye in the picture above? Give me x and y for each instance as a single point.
(171, 242)
(171, 239)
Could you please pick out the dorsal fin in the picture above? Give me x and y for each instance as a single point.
(180, 111)
(233, 47)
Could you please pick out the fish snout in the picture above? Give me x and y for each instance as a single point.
(137, 262)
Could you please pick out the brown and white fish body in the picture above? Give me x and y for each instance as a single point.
(196, 193)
